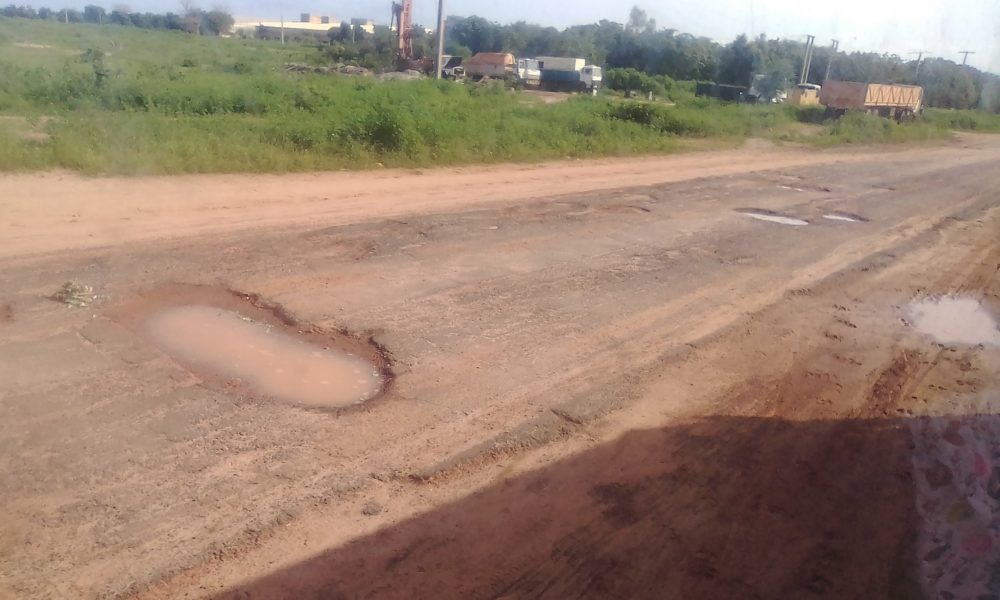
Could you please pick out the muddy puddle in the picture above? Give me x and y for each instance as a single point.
(268, 360)
(845, 217)
(954, 320)
(771, 216)
(236, 342)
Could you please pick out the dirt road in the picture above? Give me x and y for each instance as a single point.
(618, 378)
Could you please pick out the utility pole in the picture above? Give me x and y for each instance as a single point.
(920, 58)
(829, 63)
(965, 57)
(807, 60)
(440, 52)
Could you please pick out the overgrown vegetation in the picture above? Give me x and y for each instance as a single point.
(110, 99)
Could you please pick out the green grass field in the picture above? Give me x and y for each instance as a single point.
(111, 99)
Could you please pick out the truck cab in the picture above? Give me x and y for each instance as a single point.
(528, 71)
(591, 76)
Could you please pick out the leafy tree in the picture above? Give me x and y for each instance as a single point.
(191, 17)
(93, 14)
(217, 22)
(736, 66)
(476, 33)
(948, 85)
(341, 34)
(639, 21)
(456, 49)
(120, 15)
(424, 44)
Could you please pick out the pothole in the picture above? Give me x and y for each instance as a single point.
(954, 320)
(771, 216)
(845, 216)
(239, 343)
(624, 208)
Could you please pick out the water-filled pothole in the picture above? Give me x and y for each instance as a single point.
(771, 216)
(954, 320)
(844, 216)
(241, 343)
(267, 359)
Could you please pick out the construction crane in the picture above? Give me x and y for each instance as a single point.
(402, 17)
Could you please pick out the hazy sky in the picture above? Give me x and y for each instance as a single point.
(941, 26)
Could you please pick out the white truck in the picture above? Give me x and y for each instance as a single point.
(559, 74)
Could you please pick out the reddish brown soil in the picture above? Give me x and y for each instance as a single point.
(608, 383)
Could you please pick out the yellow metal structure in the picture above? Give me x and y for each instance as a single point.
(805, 94)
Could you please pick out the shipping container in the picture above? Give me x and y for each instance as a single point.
(557, 63)
(560, 76)
(588, 78)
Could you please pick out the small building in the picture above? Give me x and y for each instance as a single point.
(272, 30)
(805, 94)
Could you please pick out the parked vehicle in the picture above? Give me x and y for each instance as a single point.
(559, 74)
(886, 100)
(729, 93)
(451, 67)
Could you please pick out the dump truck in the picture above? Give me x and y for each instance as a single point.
(497, 65)
(887, 100)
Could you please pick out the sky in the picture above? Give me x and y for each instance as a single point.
(941, 27)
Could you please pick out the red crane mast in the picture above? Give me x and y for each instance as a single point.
(402, 17)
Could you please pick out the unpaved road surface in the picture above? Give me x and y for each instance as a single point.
(605, 379)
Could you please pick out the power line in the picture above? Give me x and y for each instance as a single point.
(966, 54)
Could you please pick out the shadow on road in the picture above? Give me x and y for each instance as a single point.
(723, 507)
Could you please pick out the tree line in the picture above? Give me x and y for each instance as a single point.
(191, 20)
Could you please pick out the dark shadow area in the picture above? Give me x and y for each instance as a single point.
(723, 507)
